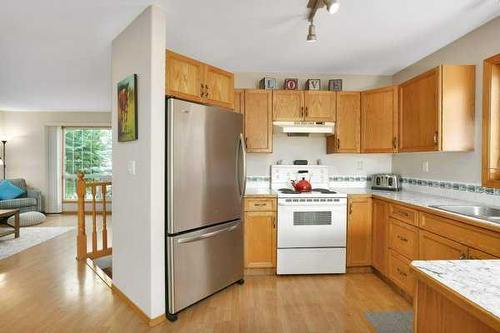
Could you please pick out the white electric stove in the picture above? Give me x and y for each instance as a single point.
(311, 226)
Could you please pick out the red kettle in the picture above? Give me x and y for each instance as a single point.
(302, 185)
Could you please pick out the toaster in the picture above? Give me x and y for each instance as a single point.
(386, 181)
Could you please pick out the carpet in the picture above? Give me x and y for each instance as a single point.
(29, 237)
(391, 321)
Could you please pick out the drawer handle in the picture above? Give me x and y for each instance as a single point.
(260, 204)
(400, 212)
(401, 272)
(462, 257)
(403, 239)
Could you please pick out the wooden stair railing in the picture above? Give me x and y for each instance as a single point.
(81, 238)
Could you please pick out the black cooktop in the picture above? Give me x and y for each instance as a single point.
(316, 190)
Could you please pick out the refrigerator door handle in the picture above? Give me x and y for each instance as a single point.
(242, 174)
(207, 235)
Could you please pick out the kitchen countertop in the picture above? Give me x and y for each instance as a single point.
(475, 280)
(260, 192)
(420, 199)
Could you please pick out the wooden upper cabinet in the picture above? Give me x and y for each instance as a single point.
(380, 231)
(219, 87)
(347, 127)
(195, 81)
(359, 232)
(491, 122)
(319, 106)
(437, 110)
(288, 105)
(379, 120)
(239, 99)
(185, 77)
(258, 120)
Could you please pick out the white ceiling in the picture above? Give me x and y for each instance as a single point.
(55, 54)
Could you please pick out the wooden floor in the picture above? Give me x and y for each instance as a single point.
(44, 289)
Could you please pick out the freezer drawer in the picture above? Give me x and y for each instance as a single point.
(311, 261)
(203, 262)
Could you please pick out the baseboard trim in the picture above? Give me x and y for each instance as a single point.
(359, 269)
(407, 297)
(151, 322)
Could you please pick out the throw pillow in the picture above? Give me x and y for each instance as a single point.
(9, 191)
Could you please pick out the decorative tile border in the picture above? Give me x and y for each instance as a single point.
(462, 187)
(351, 179)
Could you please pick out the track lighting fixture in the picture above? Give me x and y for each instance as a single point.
(331, 5)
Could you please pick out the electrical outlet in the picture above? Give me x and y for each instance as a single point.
(359, 165)
(425, 166)
(131, 168)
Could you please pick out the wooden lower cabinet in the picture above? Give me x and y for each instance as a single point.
(440, 310)
(479, 255)
(260, 232)
(434, 247)
(403, 238)
(379, 235)
(399, 272)
(359, 231)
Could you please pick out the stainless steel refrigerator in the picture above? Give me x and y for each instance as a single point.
(205, 183)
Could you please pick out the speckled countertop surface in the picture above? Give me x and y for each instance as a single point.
(476, 280)
(418, 199)
(260, 192)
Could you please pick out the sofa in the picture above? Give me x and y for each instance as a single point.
(28, 202)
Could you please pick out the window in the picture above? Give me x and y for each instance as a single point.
(491, 122)
(87, 150)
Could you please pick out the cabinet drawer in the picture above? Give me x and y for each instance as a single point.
(260, 204)
(476, 254)
(403, 238)
(478, 238)
(399, 272)
(404, 214)
(435, 247)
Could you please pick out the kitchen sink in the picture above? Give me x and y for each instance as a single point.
(479, 212)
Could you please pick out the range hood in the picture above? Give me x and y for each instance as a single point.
(305, 127)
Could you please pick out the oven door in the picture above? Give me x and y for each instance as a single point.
(312, 224)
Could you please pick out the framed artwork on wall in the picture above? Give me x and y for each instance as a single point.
(335, 85)
(291, 84)
(313, 84)
(127, 109)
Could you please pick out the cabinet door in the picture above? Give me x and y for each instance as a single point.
(434, 247)
(379, 236)
(184, 77)
(348, 122)
(288, 105)
(359, 232)
(258, 121)
(379, 120)
(260, 239)
(219, 87)
(239, 105)
(479, 255)
(319, 105)
(420, 113)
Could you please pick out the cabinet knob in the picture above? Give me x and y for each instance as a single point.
(435, 137)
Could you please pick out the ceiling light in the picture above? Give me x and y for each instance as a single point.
(311, 36)
(332, 6)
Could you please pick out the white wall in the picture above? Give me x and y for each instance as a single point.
(28, 141)
(138, 200)
(314, 147)
(473, 48)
